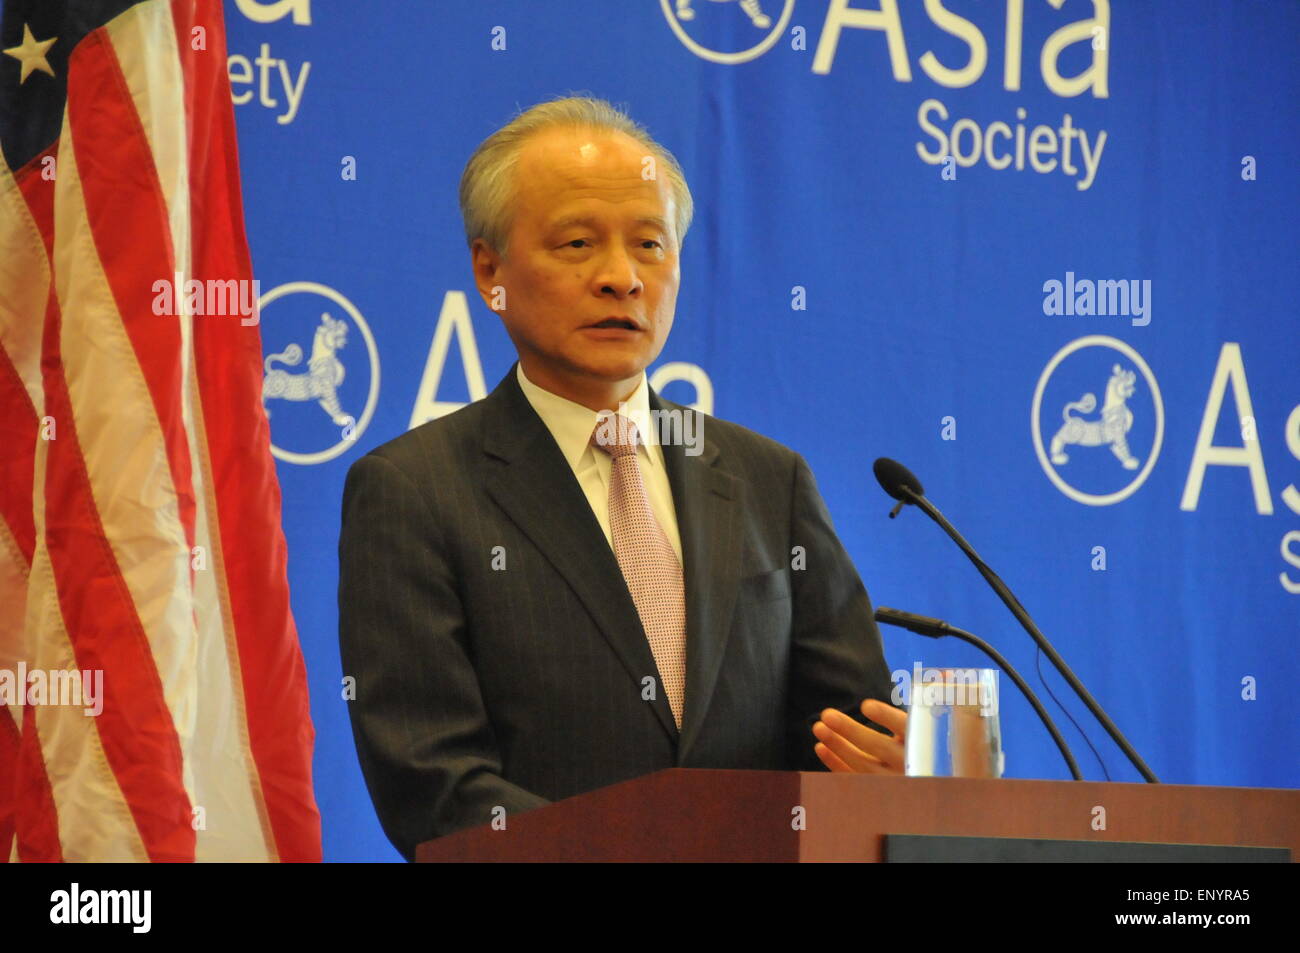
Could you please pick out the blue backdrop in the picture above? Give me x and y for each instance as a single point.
(922, 231)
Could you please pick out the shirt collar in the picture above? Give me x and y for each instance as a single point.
(571, 424)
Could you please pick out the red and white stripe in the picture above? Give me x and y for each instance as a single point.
(161, 449)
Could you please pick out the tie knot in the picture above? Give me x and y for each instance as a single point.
(616, 435)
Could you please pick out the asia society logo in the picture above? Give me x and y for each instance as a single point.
(320, 381)
(268, 11)
(1098, 420)
(702, 24)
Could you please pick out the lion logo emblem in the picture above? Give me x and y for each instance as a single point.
(751, 8)
(1111, 430)
(322, 378)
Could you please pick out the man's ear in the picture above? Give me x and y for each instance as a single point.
(486, 263)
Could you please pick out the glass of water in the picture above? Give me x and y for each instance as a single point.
(952, 725)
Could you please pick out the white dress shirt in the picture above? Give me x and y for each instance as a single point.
(571, 425)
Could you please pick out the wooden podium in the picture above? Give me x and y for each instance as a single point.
(705, 815)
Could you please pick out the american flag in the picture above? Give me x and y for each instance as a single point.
(140, 537)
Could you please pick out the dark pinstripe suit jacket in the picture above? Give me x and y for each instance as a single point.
(513, 676)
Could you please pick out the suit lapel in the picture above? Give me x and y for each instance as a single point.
(529, 478)
(709, 503)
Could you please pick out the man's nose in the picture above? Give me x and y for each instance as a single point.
(618, 273)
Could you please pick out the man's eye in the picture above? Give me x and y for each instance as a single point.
(576, 242)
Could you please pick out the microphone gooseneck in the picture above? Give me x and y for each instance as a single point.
(902, 485)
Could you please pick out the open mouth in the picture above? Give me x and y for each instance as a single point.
(623, 323)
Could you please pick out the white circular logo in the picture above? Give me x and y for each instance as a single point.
(718, 17)
(313, 394)
(1095, 444)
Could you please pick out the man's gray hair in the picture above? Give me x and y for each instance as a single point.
(487, 187)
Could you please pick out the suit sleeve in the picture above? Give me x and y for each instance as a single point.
(837, 658)
(423, 737)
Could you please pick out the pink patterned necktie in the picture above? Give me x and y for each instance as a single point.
(649, 564)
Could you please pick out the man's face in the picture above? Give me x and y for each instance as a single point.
(591, 240)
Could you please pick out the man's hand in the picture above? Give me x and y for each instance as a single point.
(845, 745)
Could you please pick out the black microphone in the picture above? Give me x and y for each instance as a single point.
(900, 483)
(937, 629)
(895, 477)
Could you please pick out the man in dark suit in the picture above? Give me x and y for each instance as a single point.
(532, 610)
